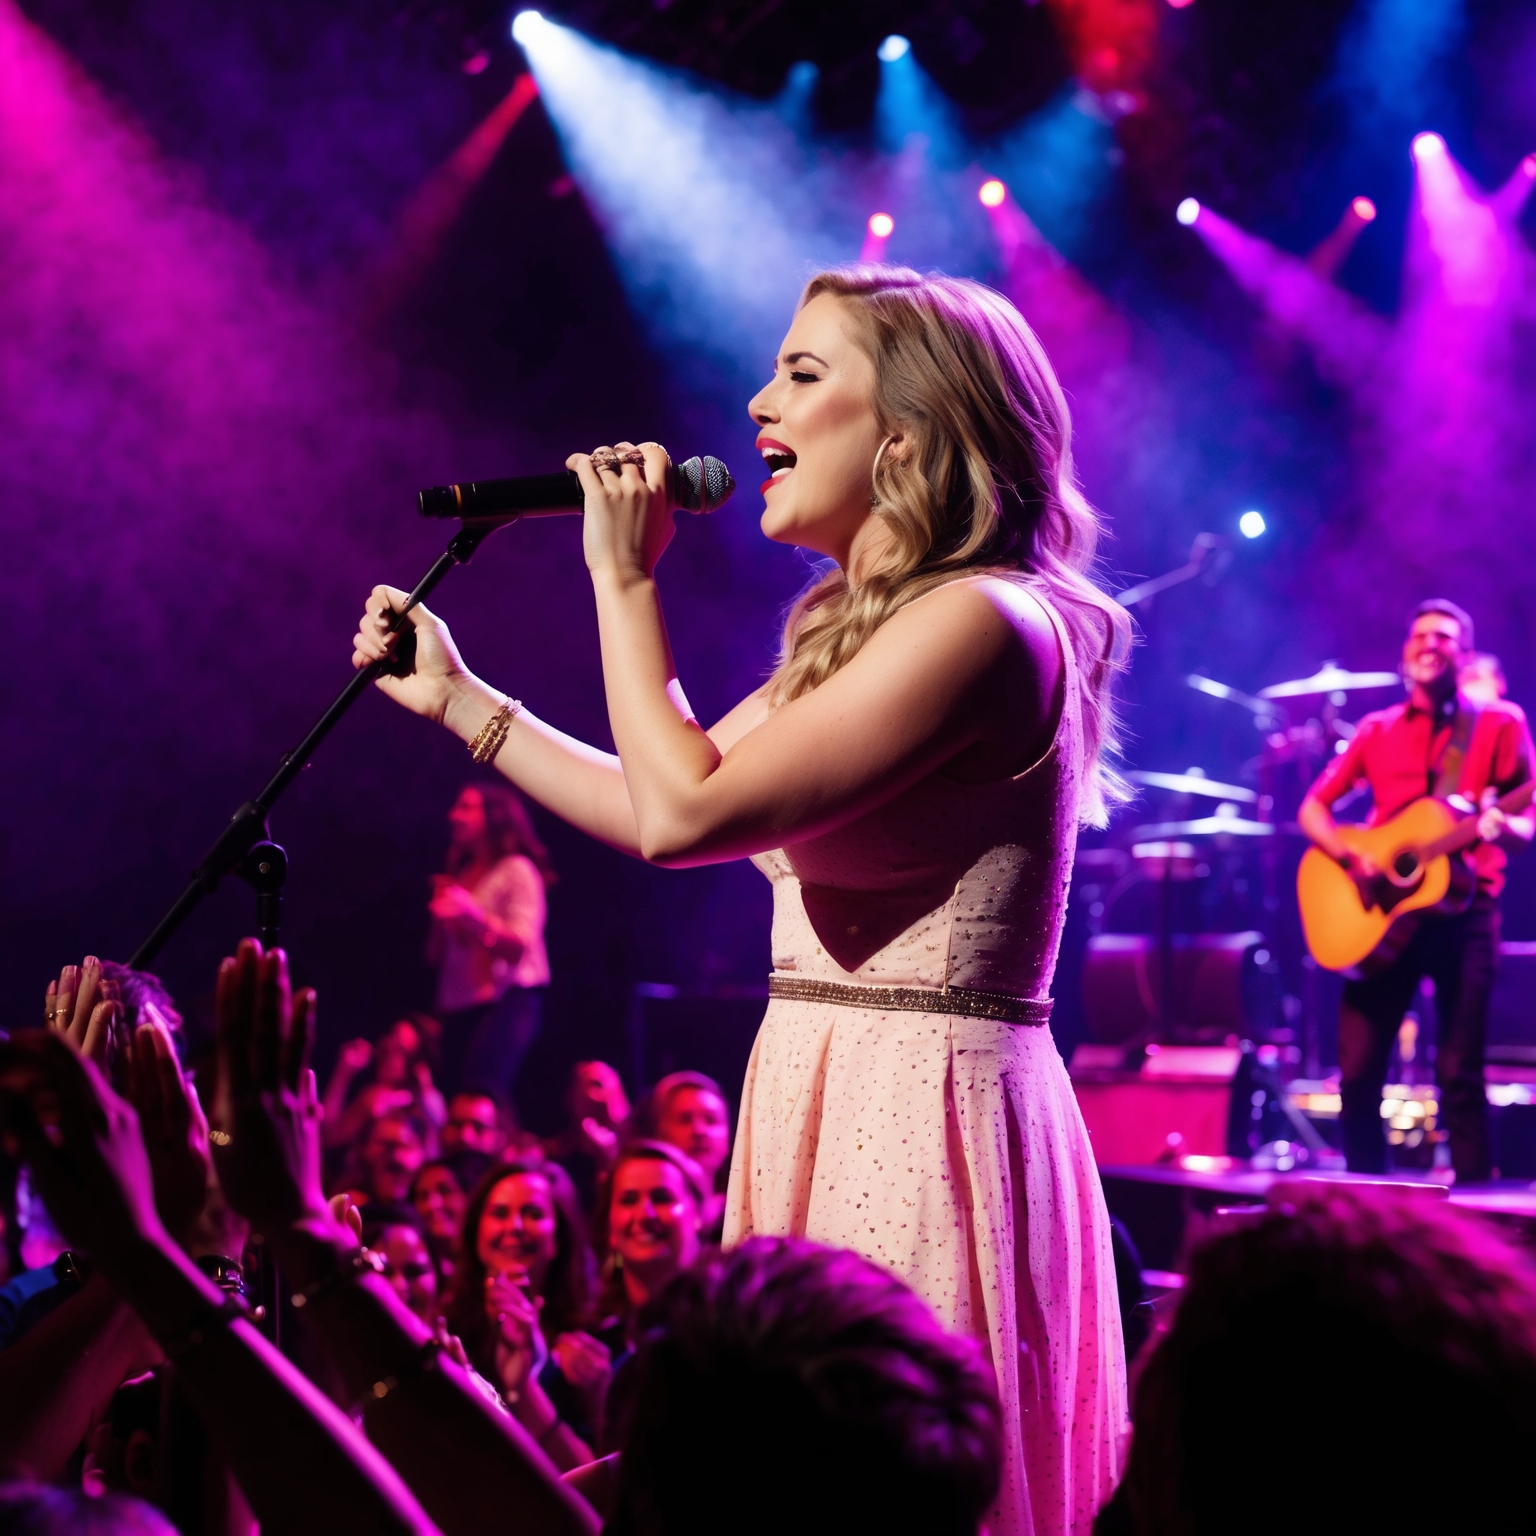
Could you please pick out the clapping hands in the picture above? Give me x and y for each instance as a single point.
(267, 1112)
(83, 1007)
(106, 1160)
(514, 1315)
(83, 1144)
(173, 1127)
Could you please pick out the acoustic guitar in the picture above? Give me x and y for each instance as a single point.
(1360, 927)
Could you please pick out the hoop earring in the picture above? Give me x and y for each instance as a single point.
(874, 495)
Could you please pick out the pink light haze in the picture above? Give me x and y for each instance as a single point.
(225, 448)
(438, 202)
(1333, 249)
(1443, 450)
(1085, 335)
(1342, 333)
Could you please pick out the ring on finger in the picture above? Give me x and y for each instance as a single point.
(605, 458)
(632, 456)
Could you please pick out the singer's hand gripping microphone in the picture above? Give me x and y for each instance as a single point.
(698, 485)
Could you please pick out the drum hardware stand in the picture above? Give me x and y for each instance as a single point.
(245, 847)
(1209, 557)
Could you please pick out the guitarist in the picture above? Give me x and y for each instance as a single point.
(1438, 742)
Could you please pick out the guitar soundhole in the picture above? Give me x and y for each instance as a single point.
(1406, 865)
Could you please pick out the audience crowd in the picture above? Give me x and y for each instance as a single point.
(229, 1298)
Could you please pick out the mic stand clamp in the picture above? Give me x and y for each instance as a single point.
(265, 869)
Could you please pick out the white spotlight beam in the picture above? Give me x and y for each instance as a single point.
(707, 201)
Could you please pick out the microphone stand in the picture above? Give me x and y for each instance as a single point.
(245, 847)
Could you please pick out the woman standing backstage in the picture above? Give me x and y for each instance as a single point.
(911, 779)
(487, 939)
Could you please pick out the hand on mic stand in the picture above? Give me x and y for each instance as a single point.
(422, 668)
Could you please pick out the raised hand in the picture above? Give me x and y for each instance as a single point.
(451, 901)
(174, 1129)
(430, 667)
(90, 1163)
(354, 1057)
(267, 1112)
(79, 1006)
(599, 1140)
(587, 1364)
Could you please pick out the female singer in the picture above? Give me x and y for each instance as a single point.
(911, 779)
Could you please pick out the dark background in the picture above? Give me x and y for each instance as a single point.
(212, 429)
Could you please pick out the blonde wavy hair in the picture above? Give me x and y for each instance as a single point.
(986, 485)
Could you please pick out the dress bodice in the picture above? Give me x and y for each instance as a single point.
(946, 885)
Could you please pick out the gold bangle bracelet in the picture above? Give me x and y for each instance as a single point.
(492, 736)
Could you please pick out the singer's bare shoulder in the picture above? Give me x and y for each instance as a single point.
(746, 717)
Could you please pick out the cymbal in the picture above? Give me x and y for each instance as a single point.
(1193, 784)
(1206, 826)
(1331, 679)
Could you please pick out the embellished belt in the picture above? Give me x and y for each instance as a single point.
(960, 1000)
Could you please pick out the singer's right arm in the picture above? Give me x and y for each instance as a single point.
(577, 782)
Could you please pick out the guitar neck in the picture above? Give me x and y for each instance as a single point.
(1464, 833)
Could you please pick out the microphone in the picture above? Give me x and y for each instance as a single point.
(698, 485)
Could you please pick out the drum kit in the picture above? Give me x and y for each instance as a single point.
(1192, 932)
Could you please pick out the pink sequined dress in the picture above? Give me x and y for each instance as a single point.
(949, 1147)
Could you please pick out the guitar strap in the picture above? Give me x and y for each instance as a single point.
(1445, 775)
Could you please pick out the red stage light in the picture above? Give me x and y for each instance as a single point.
(1363, 209)
(881, 225)
(992, 193)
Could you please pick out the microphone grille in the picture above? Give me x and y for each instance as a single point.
(703, 484)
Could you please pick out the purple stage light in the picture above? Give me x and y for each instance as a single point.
(1427, 145)
(1344, 336)
(992, 193)
(437, 203)
(1456, 245)
(877, 235)
(1187, 211)
(1333, 250)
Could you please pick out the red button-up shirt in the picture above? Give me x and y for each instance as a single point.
(1397, 753)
